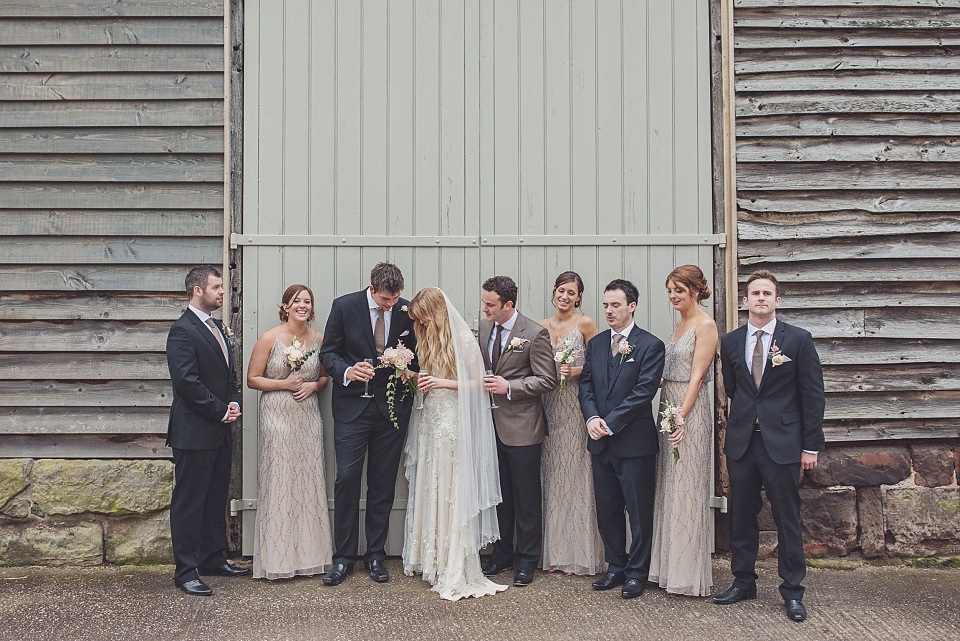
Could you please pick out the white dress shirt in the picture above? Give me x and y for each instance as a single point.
(752, 342)
(373, 306)
(203, 316)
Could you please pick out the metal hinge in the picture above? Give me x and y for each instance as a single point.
(719, 502)
(242, 505)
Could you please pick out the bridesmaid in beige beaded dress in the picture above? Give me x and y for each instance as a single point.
(292, 534)
(571, 540)
(681, 560)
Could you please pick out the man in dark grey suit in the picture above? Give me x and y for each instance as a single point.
(774, 383)
(518, 351)
(205, 404)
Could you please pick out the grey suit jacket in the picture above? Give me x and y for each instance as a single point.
(532, 372)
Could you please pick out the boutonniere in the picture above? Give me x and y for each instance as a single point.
(624, 348)
(227, 332)
(776, 356)
(403, 308)
(516, 343)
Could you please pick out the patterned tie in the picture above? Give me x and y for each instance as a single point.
(379, 338)
(615, 345)
(497, 348)
(216, 332)
(756, 366)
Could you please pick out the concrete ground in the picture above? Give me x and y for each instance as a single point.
(132, 604)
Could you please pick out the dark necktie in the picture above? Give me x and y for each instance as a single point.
(497, 348)
(756, 366)
(379, 331)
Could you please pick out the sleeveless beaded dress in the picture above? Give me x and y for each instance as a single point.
(292, 534)
(680, 559)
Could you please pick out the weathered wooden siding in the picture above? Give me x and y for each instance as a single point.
(848, 139)
(111, 186)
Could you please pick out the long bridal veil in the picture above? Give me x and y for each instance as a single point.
(478, 473)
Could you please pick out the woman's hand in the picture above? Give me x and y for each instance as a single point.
(677, 436)
(293, 382)
(427, 383)
(306, 390)
(565, 370)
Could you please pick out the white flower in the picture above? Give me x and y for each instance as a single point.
(777, 359)
(625, 348)
(559, 357)
(665, 426)
(228, 332)
(403, 308)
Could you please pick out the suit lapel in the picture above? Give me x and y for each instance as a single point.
(395, 323)
(603, 373)
(485, 346)
(208, 337)
(516, 332)
(363, 309)
(619, 360)
(768, 367)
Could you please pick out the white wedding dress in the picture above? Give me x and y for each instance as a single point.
(451, 465)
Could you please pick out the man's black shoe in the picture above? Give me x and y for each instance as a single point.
(609, 580)
(632, 588)
(523, 578)
(196, 587)
(735, 595)
(223, 570)
(377, 571)
(496, 568)
(795, 610)
(337, 574)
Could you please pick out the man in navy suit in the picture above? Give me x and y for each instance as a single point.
(774, 383)
(621, 375)
(362, 325)
(206, 402)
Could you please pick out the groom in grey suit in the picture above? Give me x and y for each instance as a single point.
(519, 353)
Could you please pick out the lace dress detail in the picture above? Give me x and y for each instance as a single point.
(435, 546)
(292, 533)
(681, 530)
(571, 539)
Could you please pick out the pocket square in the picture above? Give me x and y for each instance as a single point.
(630, 360)
(405, 332)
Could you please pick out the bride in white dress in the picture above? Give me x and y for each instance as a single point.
(451, 458)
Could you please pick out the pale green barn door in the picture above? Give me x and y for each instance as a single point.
(463, 140)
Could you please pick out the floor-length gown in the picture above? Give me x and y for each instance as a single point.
(571, 539)
(681, 560)
(292, 534)
(435, 545)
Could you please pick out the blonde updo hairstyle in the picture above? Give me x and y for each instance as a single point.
(691, 277)
(434, 342)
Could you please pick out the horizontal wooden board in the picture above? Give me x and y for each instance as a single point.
(779, 37)
(88, 366)
(113, 113)
(107, 222)
(100, 58)
(823, 323)
(848, 81)
(892, 405)
(842, 295)
(110, 86)
(913, 323)
(846, 175)
(885, 201)
(123, 393)
(864, 377)
(83, 420)
(861, 149)
(94, 8)
(31, 306)
(905, 247)
(849, 102)
(879, 351)
(861, 17)
(111, 31)
(883, 430)
(103, 250)
(40, 195)
(849, 224)
(939, 125)
(112, 140)
(864, 271)
(84, 336)
(797, 60)
(164, 168)
(84, 446)
(106, 278)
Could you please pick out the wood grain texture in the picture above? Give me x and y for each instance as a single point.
(139, 306)
(120, 278)
(113, 113)
(96, 8)
(122, 393)
(111, 31)
(99, 250)
(85, 366)
(94, 168)
(82, 195)
(85, 336)
(83, 420)
(106, 222)
(860, 149)
(110, 86)
(856, 377)
(886, 430)
(84, 446)
(785, 38)
(112, 140)
(99, 58)
(848, 102)
(842, 224)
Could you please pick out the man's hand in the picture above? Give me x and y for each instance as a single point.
(597, 428)
(407, 374)
(233, 413)
(496, 385)
(361, 371)
(808, 460)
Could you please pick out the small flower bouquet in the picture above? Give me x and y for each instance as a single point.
(564, 357)
(516, 343)
(296, 356)
(624, 348)
(777, 357)
(670, 420)
(397, 358)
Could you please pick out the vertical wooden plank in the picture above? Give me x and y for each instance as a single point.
(686, 110)
(635, 112)
(296, 149)
(704, 129)
(472, 149)
(660, 120)
(557, 126)
(452, 105)
(609, 99)
(487, 135)
(427, 56)
(401, 79)
(348, 87)
(506, 135)
(583, 118)
(271, 95)
(374, 116)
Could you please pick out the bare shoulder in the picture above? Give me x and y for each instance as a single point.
(588, 327)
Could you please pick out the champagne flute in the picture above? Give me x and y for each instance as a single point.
(489, 374)
(420, 376)
(366, 385)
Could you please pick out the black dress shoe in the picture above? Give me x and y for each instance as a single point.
(609, 580)
(495, 568)
(223, 570)
(632, 588)
(196, 587)
(337, 574)
(795, 610)
(377, 571)
(735, 595)
(522, 578)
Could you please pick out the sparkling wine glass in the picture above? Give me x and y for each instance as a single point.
(366, 385)
(489, 374)
(420, 376)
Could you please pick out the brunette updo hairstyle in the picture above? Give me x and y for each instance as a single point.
(563, 279)
(692, 278)
(289, 294)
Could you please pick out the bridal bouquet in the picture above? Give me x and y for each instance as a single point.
(296, 356)
(670, 420)
(564, 357)
(397, 358)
